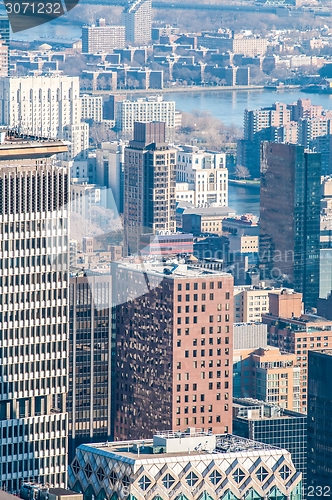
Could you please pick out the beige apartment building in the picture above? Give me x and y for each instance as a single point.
(297, 333)
(267, 374)
(251, 302)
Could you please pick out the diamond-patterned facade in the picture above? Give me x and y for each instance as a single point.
(267, 473)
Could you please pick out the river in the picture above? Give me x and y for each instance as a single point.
(228, 106)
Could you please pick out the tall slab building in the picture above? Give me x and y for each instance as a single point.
(90, 343)
(173, 349)
(290, 217)
(149, 184)
(33, 313)
(137, 18)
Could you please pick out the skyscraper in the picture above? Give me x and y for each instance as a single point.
(137, 18)
(149, 184)
(89, 394)
(319, 422)
(260, 125)
(290, 217)
(33, 313)
(174, 346)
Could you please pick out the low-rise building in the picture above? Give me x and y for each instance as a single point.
(201, 177)
(188, 465)
(204, 219)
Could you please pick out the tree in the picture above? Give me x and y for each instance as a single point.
(242, 172)
(100, 132)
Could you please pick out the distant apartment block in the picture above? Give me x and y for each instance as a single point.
(92, 108)
(102, 38)
(237, 43)
(137, 18)
(250, 303)
(151, 109)
(201, 177)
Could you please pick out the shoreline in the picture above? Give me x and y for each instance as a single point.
(246, 183)
(171, 90)
(192, 89)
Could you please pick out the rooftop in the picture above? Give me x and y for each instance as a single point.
(185, 444)
(173, 269)
(218, 211)
(14, 146)
(254, 409)
(62, 492)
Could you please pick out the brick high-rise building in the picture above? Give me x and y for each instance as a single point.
(34, 195)
(290, 217)
(174, 347)
(149, 184)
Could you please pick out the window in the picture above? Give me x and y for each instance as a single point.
(168, 481)
(101, 474)
(191, 479)
(261, 474)
(215, 477)
(113, 478)
(239, 476)
(76, 467)
(285, 472)
(88, 470)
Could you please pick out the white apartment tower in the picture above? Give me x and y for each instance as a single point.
(45, 106)
(102, 38)
(151, 109)
(137, 18)
(201, 177)
(33, 313)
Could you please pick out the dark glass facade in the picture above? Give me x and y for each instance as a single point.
(290, 217)
(286, 429)
(89, 396)
(319, 422)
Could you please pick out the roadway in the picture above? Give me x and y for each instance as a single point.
(172, 90)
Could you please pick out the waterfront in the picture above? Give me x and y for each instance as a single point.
(244, 199)
(229, 106)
